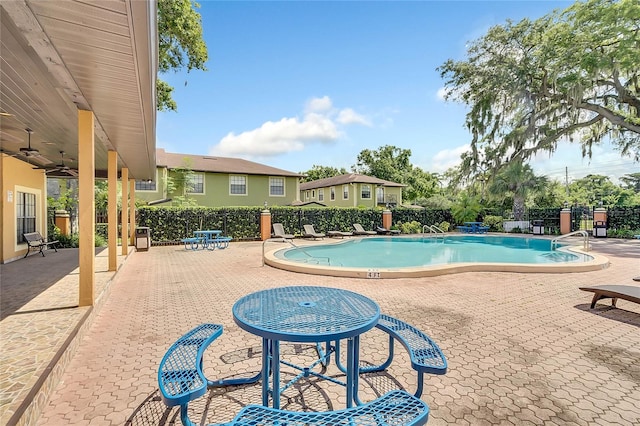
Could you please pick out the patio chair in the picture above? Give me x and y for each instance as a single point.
(309, 232)
(359, 230)
(278, 232)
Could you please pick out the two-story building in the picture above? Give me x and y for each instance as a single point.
(220, 181)
(352, 190)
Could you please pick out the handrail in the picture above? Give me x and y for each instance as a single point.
(288, 240)
(433, 229)
(585, 239)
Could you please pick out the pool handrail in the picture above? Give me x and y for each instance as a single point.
(585, 239)
(288, 240)
(433, 229)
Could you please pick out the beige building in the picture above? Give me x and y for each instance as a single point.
(352, 190)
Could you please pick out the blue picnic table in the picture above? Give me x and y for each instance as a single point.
(306, 314)
(473, 228)
(207, 239)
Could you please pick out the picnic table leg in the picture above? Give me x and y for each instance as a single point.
(266, 359)
(275, 356)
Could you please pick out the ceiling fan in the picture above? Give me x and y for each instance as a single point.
(28, 151)
(59, 170)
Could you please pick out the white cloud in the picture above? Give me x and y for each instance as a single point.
(447, 158)
(349, 116)
(323, 104)
(319, 125)
(273, 138)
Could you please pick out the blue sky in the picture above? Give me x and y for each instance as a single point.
(291, 84)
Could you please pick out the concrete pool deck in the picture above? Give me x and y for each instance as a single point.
(522, 348)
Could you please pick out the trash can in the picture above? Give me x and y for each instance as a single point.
(143, 238)
(538, 228)
(600, 229)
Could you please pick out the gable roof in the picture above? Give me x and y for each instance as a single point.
(205, 163)
(345, 179)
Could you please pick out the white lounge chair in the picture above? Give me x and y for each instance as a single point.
(278, 232)
(309, 232)
(359, 230)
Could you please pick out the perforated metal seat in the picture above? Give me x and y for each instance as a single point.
(394, 408)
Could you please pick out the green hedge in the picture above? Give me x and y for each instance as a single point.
(171, 224)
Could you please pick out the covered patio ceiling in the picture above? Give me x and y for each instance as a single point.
(60, 56)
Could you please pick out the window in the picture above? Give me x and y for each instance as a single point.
(145, 185)
(313, 194)
(276, 186)
(332, 193)
(238, 185)
(196, 183)
(25, 214)
(320, 194)
(345, 192)
(306, 195)
(380, 195)
(365, 192)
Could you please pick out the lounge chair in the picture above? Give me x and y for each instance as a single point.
(278, 232)
(614, 292)
(309, 232)
(384, 231)
(359, 230)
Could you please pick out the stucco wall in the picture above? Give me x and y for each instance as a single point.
(18, 176)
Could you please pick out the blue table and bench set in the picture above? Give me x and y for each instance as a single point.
(473, 228)
(210, 239)
(317, 315)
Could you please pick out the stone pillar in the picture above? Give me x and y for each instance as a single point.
(565, 221)
(387, 219)
(265, 224)
(62, 222)
(600, 215)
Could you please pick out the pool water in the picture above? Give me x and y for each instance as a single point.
(403, 252)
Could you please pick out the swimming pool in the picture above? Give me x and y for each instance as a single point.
(388, 257)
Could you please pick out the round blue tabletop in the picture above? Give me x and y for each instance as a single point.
(306, 314)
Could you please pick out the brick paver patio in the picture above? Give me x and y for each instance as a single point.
(522, 348)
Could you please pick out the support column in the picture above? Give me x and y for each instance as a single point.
(124, 236)
(265, 224)
(86, 207)
(132, 211)
(112, 213)
(565, 221)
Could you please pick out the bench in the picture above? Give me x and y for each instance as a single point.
(614, 292)
(222, 242)
(424, 353)
(191, 243)
(36, 242)
(181, 380)
(465, 229)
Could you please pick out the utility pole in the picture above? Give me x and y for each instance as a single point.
(566, 180)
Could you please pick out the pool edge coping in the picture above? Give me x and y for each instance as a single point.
(597, 263)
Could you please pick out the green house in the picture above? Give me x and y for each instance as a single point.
(218, 182)
(352, 190)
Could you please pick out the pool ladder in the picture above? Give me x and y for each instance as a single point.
(434, 231)
(585, 239)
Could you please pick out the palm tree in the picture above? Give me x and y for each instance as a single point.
(517, 180)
